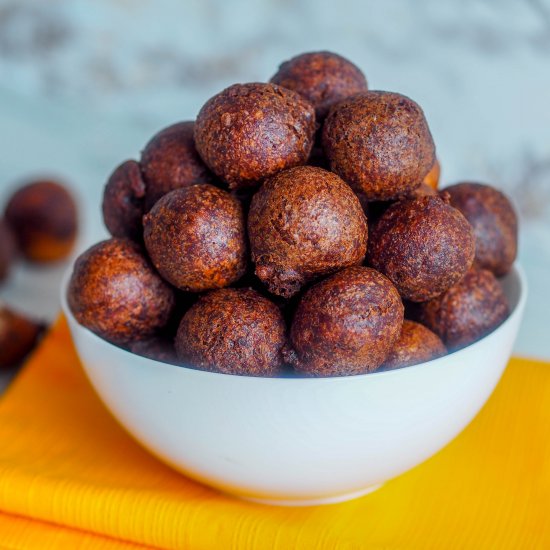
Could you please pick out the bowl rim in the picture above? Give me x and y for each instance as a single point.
(516, 311)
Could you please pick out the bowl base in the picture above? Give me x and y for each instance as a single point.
(314, 501)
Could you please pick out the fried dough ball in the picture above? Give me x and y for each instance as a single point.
(423, 245)
(416, 344)
(379, 143)
(233, 331)
(346, 324)
(323, 78)
(43, 218)
(115, 292)
(123, 202)
(469, 310)
(158, 348)
(495, 224)
(171, 161)
(249, 132)
(303, 223)
(195, 237)
(18, 336)
(8, 249)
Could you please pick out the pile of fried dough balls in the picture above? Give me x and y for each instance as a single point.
(288, 229)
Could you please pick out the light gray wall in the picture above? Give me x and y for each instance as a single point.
(84, 84)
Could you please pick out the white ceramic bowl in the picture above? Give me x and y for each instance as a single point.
(298, 441)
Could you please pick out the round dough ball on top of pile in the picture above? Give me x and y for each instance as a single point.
(303, 223)
(195, 237)
(346, 324)
(424, 246)
(233, 331)
(323, 78)
(115, 292)
(251, 131)
(379, 143)
(495, 224)
(171, 161)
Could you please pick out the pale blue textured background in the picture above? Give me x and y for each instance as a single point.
(83, 85)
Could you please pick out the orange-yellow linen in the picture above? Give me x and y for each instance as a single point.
(65, 461)
(17, 532)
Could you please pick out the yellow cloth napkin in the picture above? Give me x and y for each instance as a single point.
(70, 477)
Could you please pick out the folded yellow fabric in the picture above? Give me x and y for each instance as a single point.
(17, 532)
(65, 462)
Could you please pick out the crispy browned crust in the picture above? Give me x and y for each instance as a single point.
(43, 217)
(123, 202)
(303, 223)
(423, 190)
(195, 237)
(375, 209)
(379, 143)
(18, 336)
(248, 132)
(467, 311)
(115, 292)
(416, 344)
(233, 331)
(323, 78)
(423, 245)
(495, 224)
(8, 249)
(171, 161)
(346, 324)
